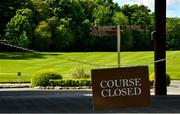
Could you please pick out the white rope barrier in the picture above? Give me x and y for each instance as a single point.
(78, 61)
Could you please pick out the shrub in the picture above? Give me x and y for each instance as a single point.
(84, 82)
(42, 78)
(70, 82)
(80, 73)
(152, 78)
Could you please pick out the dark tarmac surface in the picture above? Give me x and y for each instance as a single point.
(75, 101)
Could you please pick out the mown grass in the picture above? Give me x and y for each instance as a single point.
(66, 63)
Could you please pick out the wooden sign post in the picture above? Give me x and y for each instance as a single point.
(119, 87)
(118, 44)
(114, 31)
(160, 47)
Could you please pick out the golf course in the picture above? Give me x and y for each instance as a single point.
(66, 63)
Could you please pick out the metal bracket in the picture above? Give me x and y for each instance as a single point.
(153, 34)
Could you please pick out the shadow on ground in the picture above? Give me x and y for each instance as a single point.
(23, 55)
(76, 101)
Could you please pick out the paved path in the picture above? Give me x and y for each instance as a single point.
(74, 101)
(27, 100)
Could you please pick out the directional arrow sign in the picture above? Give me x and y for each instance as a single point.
(107, 28)
(112, 30)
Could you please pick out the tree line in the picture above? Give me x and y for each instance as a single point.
(65, 25)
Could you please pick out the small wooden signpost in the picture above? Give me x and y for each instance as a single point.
(19, 75)
(114, 31)
(119, 87)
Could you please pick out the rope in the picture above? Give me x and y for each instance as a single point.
(18, 47)
(78, 61)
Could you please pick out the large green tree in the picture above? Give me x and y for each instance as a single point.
(8, 10)
(42, 35)
(64, 37)
(42, 10)
(19, 29)
(66, 24)
(140, 15)
(102, 15)
(173, 36)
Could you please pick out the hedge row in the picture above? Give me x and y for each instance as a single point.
(52, 78)
(70, 82)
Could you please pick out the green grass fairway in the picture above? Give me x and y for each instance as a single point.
(65, 63)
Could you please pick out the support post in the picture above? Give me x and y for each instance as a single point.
(159, 46)
(118, 44)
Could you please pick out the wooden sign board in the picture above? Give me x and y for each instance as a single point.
(120, 87)
(112, 30)
(105, 28)
(104, 33)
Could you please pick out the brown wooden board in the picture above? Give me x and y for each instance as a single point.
(114, 28)
(104, 33)
(106, 28)
(120, 87)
